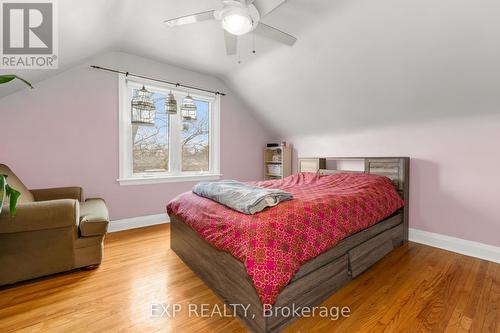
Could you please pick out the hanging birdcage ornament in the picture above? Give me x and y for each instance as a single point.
(170, 104)
(188, 108)
(143, 108)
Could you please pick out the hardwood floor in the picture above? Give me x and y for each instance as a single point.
(416, 288)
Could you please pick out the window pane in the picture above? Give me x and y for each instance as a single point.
(150, 144)
(195, 140)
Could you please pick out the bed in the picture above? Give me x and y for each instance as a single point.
(317, 278)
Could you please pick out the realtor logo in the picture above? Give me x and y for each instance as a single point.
(29, 36)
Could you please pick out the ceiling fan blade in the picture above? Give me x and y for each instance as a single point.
(266, 6)
(277, 35)
(188, 19)
(231, 43)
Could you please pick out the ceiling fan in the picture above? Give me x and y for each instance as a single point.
(239, 18)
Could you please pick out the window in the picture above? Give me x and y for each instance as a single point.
(174, 149)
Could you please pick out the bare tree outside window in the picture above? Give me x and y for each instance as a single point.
(151, 144)
(195, 140)
(168, 148)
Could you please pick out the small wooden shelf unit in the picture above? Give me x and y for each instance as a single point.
(278, 167)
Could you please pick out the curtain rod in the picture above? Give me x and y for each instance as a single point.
(177, 84)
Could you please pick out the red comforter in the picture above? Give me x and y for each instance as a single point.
(274, 243)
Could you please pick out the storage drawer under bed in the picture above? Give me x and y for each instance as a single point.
(368, 253)
(309, 290)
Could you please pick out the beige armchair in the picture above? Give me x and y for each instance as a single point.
(53, 231)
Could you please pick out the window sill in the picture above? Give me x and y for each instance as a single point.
(167, 179)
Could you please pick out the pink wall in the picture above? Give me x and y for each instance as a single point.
(454, 179)
(65, 132)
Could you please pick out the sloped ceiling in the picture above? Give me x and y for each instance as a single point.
(364, 63)
(86, 28)
(91, 27)
(357, 63)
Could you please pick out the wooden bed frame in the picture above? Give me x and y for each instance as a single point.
(320, 277)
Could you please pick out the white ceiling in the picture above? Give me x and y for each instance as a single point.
(365, 63)
(86, 28)
(91, 27)
(357, 63)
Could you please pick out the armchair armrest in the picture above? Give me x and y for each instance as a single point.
(94, 218)
(41, 215)
(75, 193)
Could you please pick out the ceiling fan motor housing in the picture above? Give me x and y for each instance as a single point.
(235, 9)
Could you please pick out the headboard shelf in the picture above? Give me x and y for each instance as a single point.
(391, 167)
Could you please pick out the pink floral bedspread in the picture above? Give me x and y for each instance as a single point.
(274, 243)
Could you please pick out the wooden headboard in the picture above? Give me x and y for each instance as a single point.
(395, 168)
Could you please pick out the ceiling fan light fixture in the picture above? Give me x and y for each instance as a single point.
(240, 17)
(237, 23)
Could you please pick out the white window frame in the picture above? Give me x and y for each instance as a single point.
(175, 174)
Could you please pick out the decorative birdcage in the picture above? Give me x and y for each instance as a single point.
(170, 104)
(143, 108)
(188, 108)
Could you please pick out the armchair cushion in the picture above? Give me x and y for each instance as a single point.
(94, 218)
(75, 193)
(14, 182)
(41, 215)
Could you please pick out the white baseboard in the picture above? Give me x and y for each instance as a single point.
(458, 245)
(137, 222)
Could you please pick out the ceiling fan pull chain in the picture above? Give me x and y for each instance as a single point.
(239, 53)
(253, 44)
